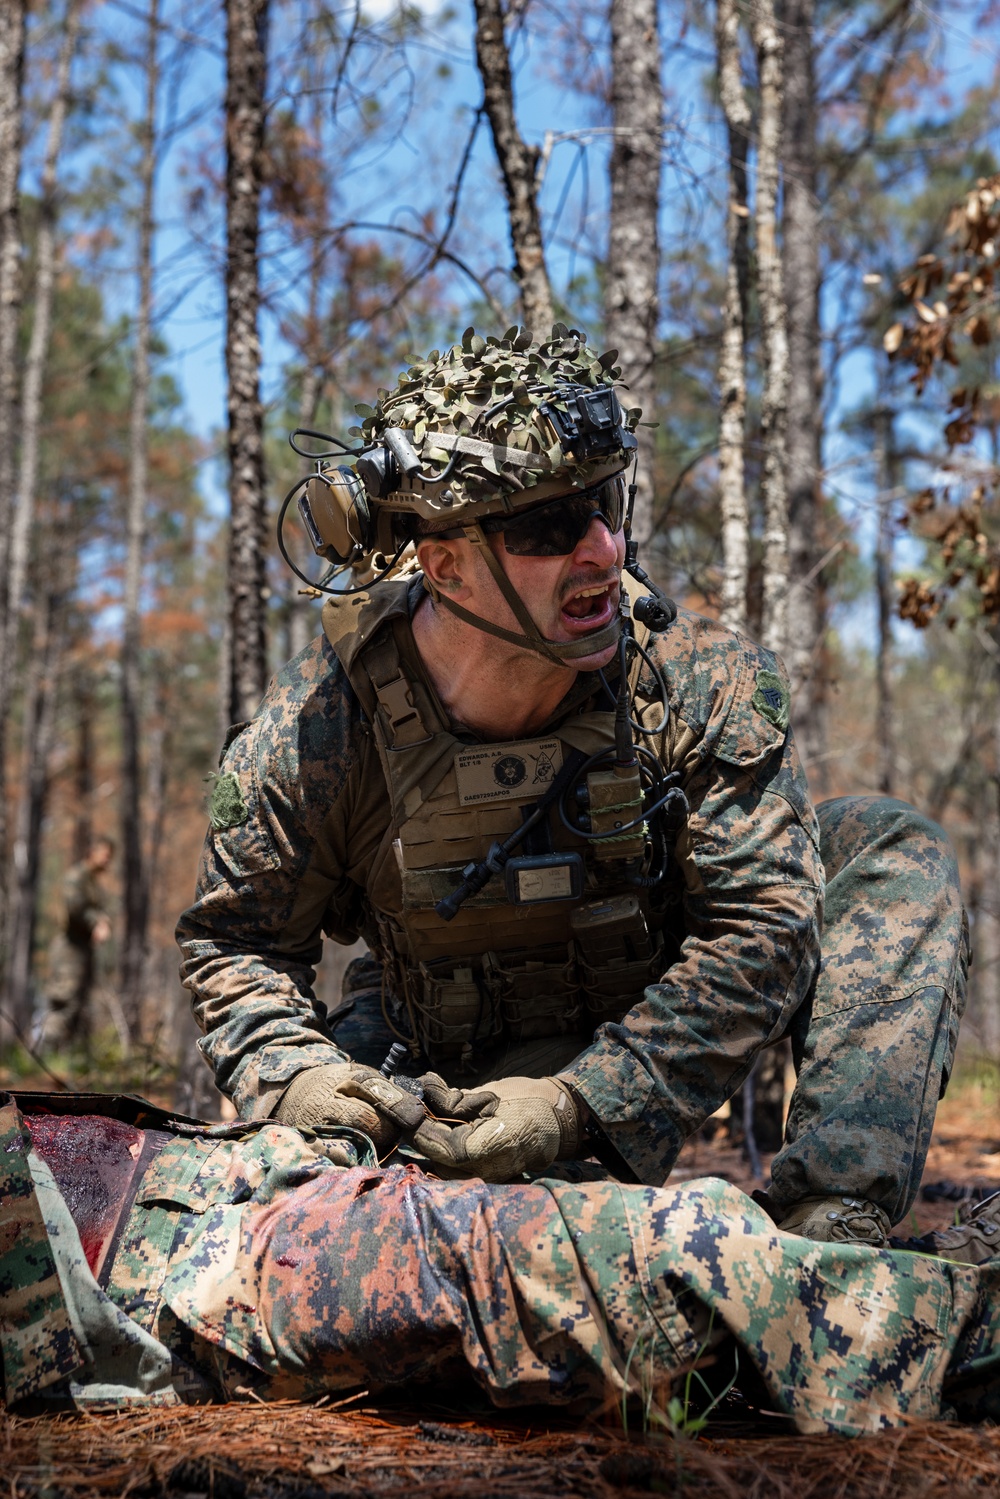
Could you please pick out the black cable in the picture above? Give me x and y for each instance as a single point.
(661, 681)
(341, 446)
(624, 744)
(443, 476)
(657, 781)
(613, 695)
(657, 672)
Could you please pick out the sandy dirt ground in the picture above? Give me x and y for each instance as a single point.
(965, 1151)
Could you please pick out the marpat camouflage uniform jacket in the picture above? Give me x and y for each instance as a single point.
(291, 866)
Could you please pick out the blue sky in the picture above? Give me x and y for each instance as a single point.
(415, 172)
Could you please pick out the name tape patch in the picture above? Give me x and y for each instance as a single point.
(516, 772)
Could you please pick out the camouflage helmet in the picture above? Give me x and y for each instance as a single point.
(493, 424)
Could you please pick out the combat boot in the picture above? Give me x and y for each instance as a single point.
(973, 1240)
(837, 1220)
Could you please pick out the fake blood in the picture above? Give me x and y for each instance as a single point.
(92, 1160)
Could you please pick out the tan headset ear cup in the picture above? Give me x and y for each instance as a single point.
(340, 512)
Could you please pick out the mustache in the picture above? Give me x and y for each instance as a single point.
(586, 580)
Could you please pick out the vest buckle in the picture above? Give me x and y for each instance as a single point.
(405, 724)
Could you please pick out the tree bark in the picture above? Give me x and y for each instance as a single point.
(38, 351)
(83, 766)
(300, 610)
(12, 21)
(518, 167)
(157, 779)
(631, 304)
(983, 1020)
(21, 910)
(12, 16)
(732, 356)
(884, 713)
(803, 453)
(39, 726)
(990, 993)
(135, 881)
(246, 57)
(773, 337)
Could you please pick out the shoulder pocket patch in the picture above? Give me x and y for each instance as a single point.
(770, 698)
(226, 807)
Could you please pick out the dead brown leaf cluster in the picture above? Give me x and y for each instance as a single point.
(952, 301)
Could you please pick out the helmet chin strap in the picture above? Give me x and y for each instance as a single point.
(559, 652)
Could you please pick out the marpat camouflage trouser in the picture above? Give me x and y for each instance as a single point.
(873, 1048)
(264, 1266)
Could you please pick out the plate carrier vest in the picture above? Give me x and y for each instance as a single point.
(497, 971)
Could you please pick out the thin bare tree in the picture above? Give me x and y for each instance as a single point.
(38, 353)
(246, 71)
(801, 233)
(773, 336)
(83, 706)
(732, 355)
(47, 655)
(300, 611)
(12, 17)
(631, 303)
(888, 476)
(23, 897)
(518, 167)
(12, 27)
(135, 880)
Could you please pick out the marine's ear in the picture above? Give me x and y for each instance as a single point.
(446, 563)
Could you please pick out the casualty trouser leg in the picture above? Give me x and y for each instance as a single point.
(260, 1263)
(563, 1294)
(874, 1048)
(331, 1280)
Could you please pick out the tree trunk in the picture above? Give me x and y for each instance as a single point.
(732, 356)
(887, 479)
(38, 351)
(518, 167)
(83, 767)
(773, 337)
(135, 884)
(39, 727)
(246, 54)
(986, 938)
(157, 778)
(801, 240)
(631, 306)
(12, 17)
(300, 612)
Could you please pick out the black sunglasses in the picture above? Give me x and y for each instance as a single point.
(556, 527)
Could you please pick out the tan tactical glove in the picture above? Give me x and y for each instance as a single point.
(517, 1124)
(350, 1094)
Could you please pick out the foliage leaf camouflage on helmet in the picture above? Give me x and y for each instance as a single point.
(509, 412)
(486, 428)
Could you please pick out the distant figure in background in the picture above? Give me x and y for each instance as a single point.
(71, 957)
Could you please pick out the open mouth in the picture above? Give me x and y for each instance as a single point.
(591, 606)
